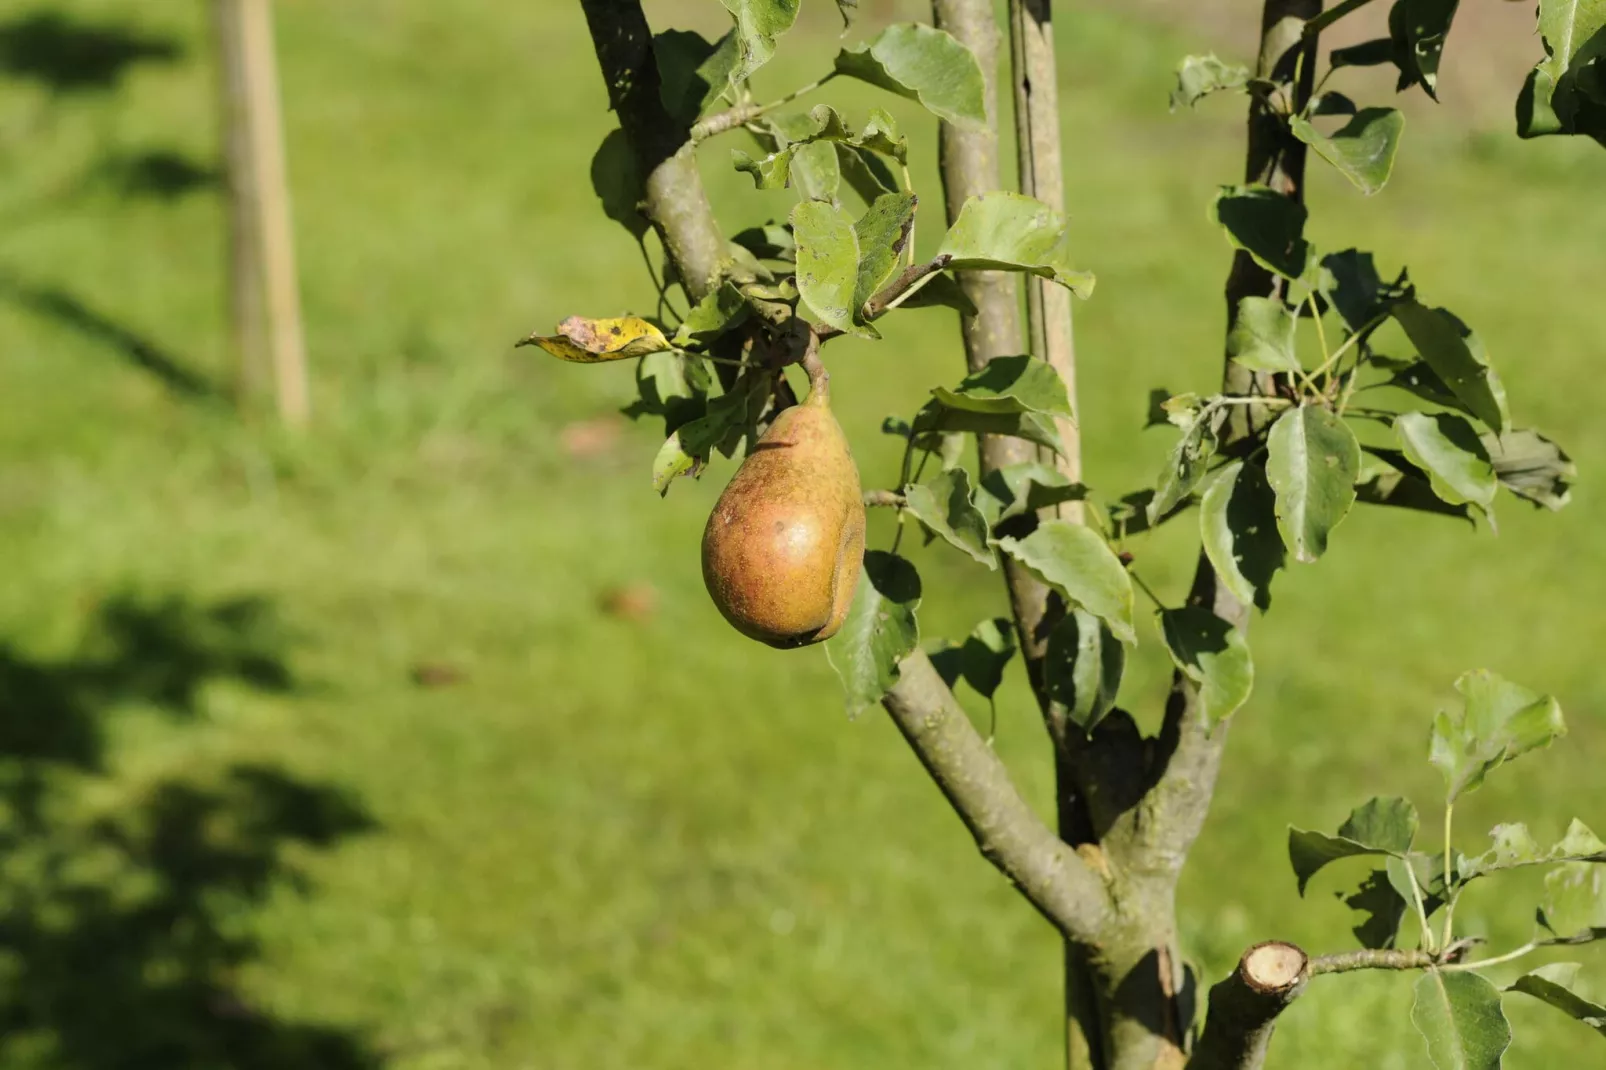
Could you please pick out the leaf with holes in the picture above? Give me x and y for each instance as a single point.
(1199, 76)
(1418, 29)
(758, 24)
(1574, 904)
(1497, 721)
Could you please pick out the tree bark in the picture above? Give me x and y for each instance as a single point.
(265, 303)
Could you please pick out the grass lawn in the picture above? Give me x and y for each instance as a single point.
(345, 751)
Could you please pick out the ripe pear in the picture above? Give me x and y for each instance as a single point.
(785, 542)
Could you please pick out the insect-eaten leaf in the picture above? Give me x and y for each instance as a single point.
(1363, 149)
(880, 234)
(922, 64)
(1514, 846)
(1238, 526)
(1010, 385)
(589, 341)
(1004, 231)
(1532, 467)
(1265, 224)
(879, 632)
(1563, 94)
(1496, 721)
(1082, 667)
(1556, 983)
(758, 24)
(1418, 29)
(1199, 76)
(1574, 904)
(1076, 562)
(1188, 460)
(1380, 826)
(1312, 462)
(1460, 1017)
(944, 507)
(1457, 355)
(1262, 336)
(1447, 448)
(1214, 655)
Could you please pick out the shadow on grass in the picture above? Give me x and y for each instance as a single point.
(156, 174)
(61, 306)
(121, 929)
(69, 56)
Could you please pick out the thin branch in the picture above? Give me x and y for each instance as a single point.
(1009, 834)
(741, 114)
(883, 499)
(894, 293)
(1384, 959)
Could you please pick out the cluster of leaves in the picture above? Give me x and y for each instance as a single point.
(1458, 1009)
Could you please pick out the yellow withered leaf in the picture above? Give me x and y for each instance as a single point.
(588, 341)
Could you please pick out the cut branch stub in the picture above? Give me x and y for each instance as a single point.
(1273, 967)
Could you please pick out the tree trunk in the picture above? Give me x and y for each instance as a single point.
(264, 300)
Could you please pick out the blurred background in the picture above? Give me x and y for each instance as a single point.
(411, 739)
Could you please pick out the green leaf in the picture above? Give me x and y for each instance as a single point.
(711, 317)
(1497, 721)
(827, 261)
(1556, 984)
(1457, 355)
(1214, 655)
(771, 241)
(1395, 481)
(1419, 28)
(1010, 384)
(1532, 467)
(672, 385)
(943, 505)
(1265, 224)
(881, 234)
(1419, 379)
(1188, 460)
(758, 24)
(1312, 462)
(1262, 336)
(1563, 94)
(1011, 232)
(686, 451)
(1514, 847)
(1026, 487)
(941, 290)
(985, 653)
(1199, 76)
(879, 632)
(1354, 289)
(617, 181)
(1371, 53)
(923, 64)
(1460, 1017)
(862, 170)
(880, 135)
(692, 72)
(1380, 826)
(1362, 149)
(1574, 903)
(1384, 908)
(1082, 667)
(815, 171)
(1238, 525)
(1073, 560)
(937, 418)
(1447, 448)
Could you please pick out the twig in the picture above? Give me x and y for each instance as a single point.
(731, 118)
(883, 499)
(909, 280)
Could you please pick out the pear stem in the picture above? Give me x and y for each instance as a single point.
(819, 378)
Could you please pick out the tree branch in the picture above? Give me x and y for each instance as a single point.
(1047, 871)
(892, 294)
(1190, 754)
(674, 200)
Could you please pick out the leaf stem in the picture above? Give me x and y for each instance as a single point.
(1421, 911)
(1145, 588)
(1332, 15)
(1449, 887)
(909, 187)
(1532, 945)
(731, 118)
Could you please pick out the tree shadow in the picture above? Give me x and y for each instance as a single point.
(157, 174)
(61, 306)
(68, 56)
(122, 931)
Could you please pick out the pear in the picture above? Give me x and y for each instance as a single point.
(785, 542)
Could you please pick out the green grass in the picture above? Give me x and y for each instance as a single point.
(648, 842)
